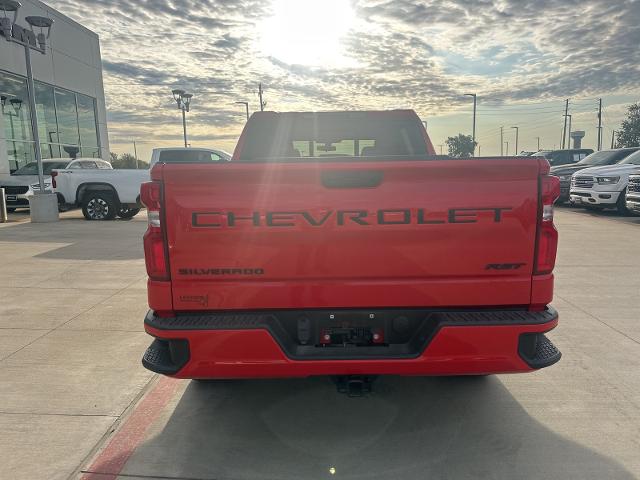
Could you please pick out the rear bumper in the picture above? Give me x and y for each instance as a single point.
(252, 345)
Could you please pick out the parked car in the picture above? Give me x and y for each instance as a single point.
(105, 194)
(633, 194)
(563, 157)
(597, 159)
(606, 186)
(338, 243)
(23, 183)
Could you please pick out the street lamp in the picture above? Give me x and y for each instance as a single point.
(246, 105)
(516, 149)
(474, 118)
(183, 99)
(41, 209)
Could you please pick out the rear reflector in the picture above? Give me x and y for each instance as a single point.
(547, 241)
(155, 246)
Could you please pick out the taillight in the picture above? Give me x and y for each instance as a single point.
(155, 247)
(54, 174)
(547, 241)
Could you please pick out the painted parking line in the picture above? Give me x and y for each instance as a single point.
(110, 462)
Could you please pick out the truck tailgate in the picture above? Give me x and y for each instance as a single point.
(441, 233)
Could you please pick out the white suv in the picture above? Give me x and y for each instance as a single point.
(606, 186)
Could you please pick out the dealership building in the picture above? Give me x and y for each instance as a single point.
(69, 92)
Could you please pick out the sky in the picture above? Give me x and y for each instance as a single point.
(522, 59)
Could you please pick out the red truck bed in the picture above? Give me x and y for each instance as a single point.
(412, 265)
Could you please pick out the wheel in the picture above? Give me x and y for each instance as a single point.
(621, 204)
(99, 206)
(126, 212)
(10, 209)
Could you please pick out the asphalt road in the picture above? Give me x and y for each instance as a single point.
(74, 399)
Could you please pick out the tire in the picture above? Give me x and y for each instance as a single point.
(10, 209)
(621, 204)
(99, 206)
(126, 212)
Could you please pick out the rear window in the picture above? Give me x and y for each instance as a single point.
(188, 156)
(344, 134)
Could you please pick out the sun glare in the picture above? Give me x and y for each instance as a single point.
(308, 32)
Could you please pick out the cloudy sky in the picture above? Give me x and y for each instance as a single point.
(521, 57)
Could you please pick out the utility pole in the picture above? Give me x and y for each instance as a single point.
(502, 141)
(599, 124)
(260, 92)
(538, 138)
(569, 136)
(564, 129)
(475, 98)
(613, 137)
(516, 150)
(507, 142)
(135, 153)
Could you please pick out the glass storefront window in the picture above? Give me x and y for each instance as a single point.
(19, 154)
(66, 122)
(50, 150)
(15, 107)
(16, 120)
(91, 152)
(69, 151)
(46, 109)
(87, 121)
(67, 114)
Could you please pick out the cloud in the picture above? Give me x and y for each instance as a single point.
(422, 54)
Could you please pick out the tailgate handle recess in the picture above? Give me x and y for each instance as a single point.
(352, 178)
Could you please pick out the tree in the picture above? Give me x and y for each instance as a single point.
(126, 160)
(461, 146)
(113, 157)
(629, 134)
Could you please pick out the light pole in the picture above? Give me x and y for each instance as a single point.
(246, 105)
(183, 99)
(507, 142)
(474, 118)
(538, 138)
(516, 149)
(42, 209)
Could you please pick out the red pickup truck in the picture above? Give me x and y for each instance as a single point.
(339, 244)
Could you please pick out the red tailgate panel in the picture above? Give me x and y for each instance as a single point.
(444, 227)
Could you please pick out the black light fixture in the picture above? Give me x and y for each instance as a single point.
(186, 99)
(6, 24)
(43, 24)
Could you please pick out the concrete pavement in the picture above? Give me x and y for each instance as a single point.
(71, 298)
(72, 371)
